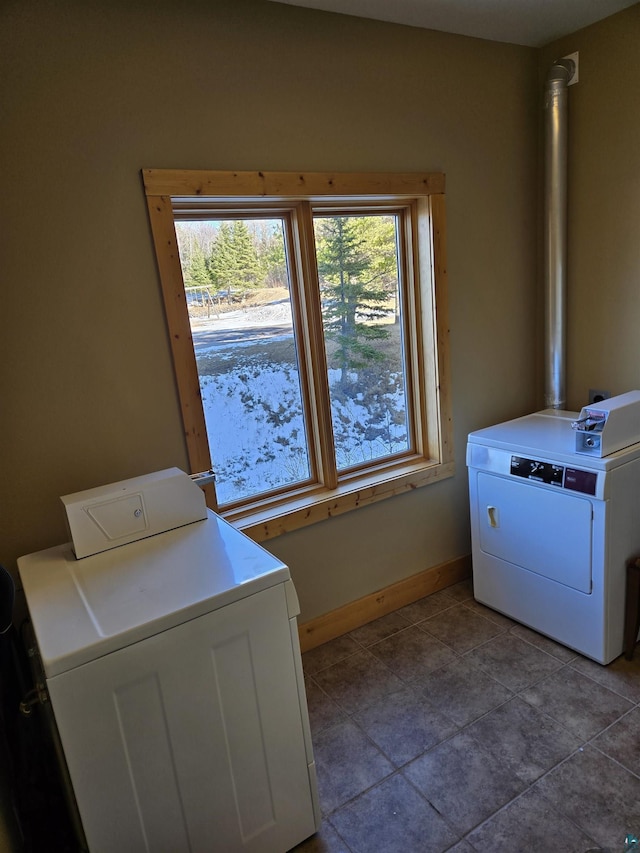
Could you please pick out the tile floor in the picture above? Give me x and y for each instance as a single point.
(447, 727)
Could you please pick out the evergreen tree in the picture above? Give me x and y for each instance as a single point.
(233, 263)
(271, 254)
(356, 261)
(245, 257)
(197, 272)
(220, 261)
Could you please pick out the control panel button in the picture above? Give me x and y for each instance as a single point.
(534, 469)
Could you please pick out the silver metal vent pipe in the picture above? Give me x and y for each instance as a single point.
(555, 230)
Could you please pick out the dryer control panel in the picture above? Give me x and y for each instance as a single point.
(573, 479)
(533, 469)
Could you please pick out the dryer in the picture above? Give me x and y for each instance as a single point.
(552, 526)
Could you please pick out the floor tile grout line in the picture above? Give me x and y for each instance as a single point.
(460, 835)
(528, 686)
(528, 787)
(513, 629)
(363, 648)
(600, 684)
(436, 637)
(556, 808)
(602, 751)
(409, 624)
(587, 740)
(519, 796)
(395, 772)
(615, 722)
(534, 784)
(341, 661)
(464, 836)
(611, 758)
(416, 685)
(368, 648)
(399, 768)
(461, 728)
(406, 682)
(335, 829)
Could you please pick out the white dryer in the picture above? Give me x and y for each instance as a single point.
(552, 527)
(173, 668)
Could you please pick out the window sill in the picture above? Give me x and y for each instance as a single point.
(262, 522)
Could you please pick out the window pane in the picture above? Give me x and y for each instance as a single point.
(358, 271)
(238, 296)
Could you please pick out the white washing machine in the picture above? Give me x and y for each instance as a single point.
(552, 527)
(174, 673)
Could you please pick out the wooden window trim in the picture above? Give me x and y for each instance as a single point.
(425, 237)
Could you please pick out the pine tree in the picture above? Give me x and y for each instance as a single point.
(269, 239)
(220, 261)
(197, 272)
(356, 256)
(245, 257)
(233, 263)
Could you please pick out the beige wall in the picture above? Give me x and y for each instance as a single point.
(603, 263)
(93, 92)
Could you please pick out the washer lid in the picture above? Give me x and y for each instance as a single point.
(83, 609)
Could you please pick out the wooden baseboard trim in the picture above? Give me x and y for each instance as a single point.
(357, 613)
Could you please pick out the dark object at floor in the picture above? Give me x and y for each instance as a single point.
(632, 607)
(36, 814)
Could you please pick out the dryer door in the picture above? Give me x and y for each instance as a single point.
(544, 531)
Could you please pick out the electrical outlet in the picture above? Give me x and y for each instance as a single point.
(595, 396)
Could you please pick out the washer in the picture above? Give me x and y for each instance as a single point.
(552, 529)
(173, 668)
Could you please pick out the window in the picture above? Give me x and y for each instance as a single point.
(307, 317)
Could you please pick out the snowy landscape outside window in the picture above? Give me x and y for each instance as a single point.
(309, 336)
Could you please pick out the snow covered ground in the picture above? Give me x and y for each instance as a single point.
(272, 314)
(253, 408)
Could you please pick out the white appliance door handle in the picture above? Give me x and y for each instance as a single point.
(492, 516)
